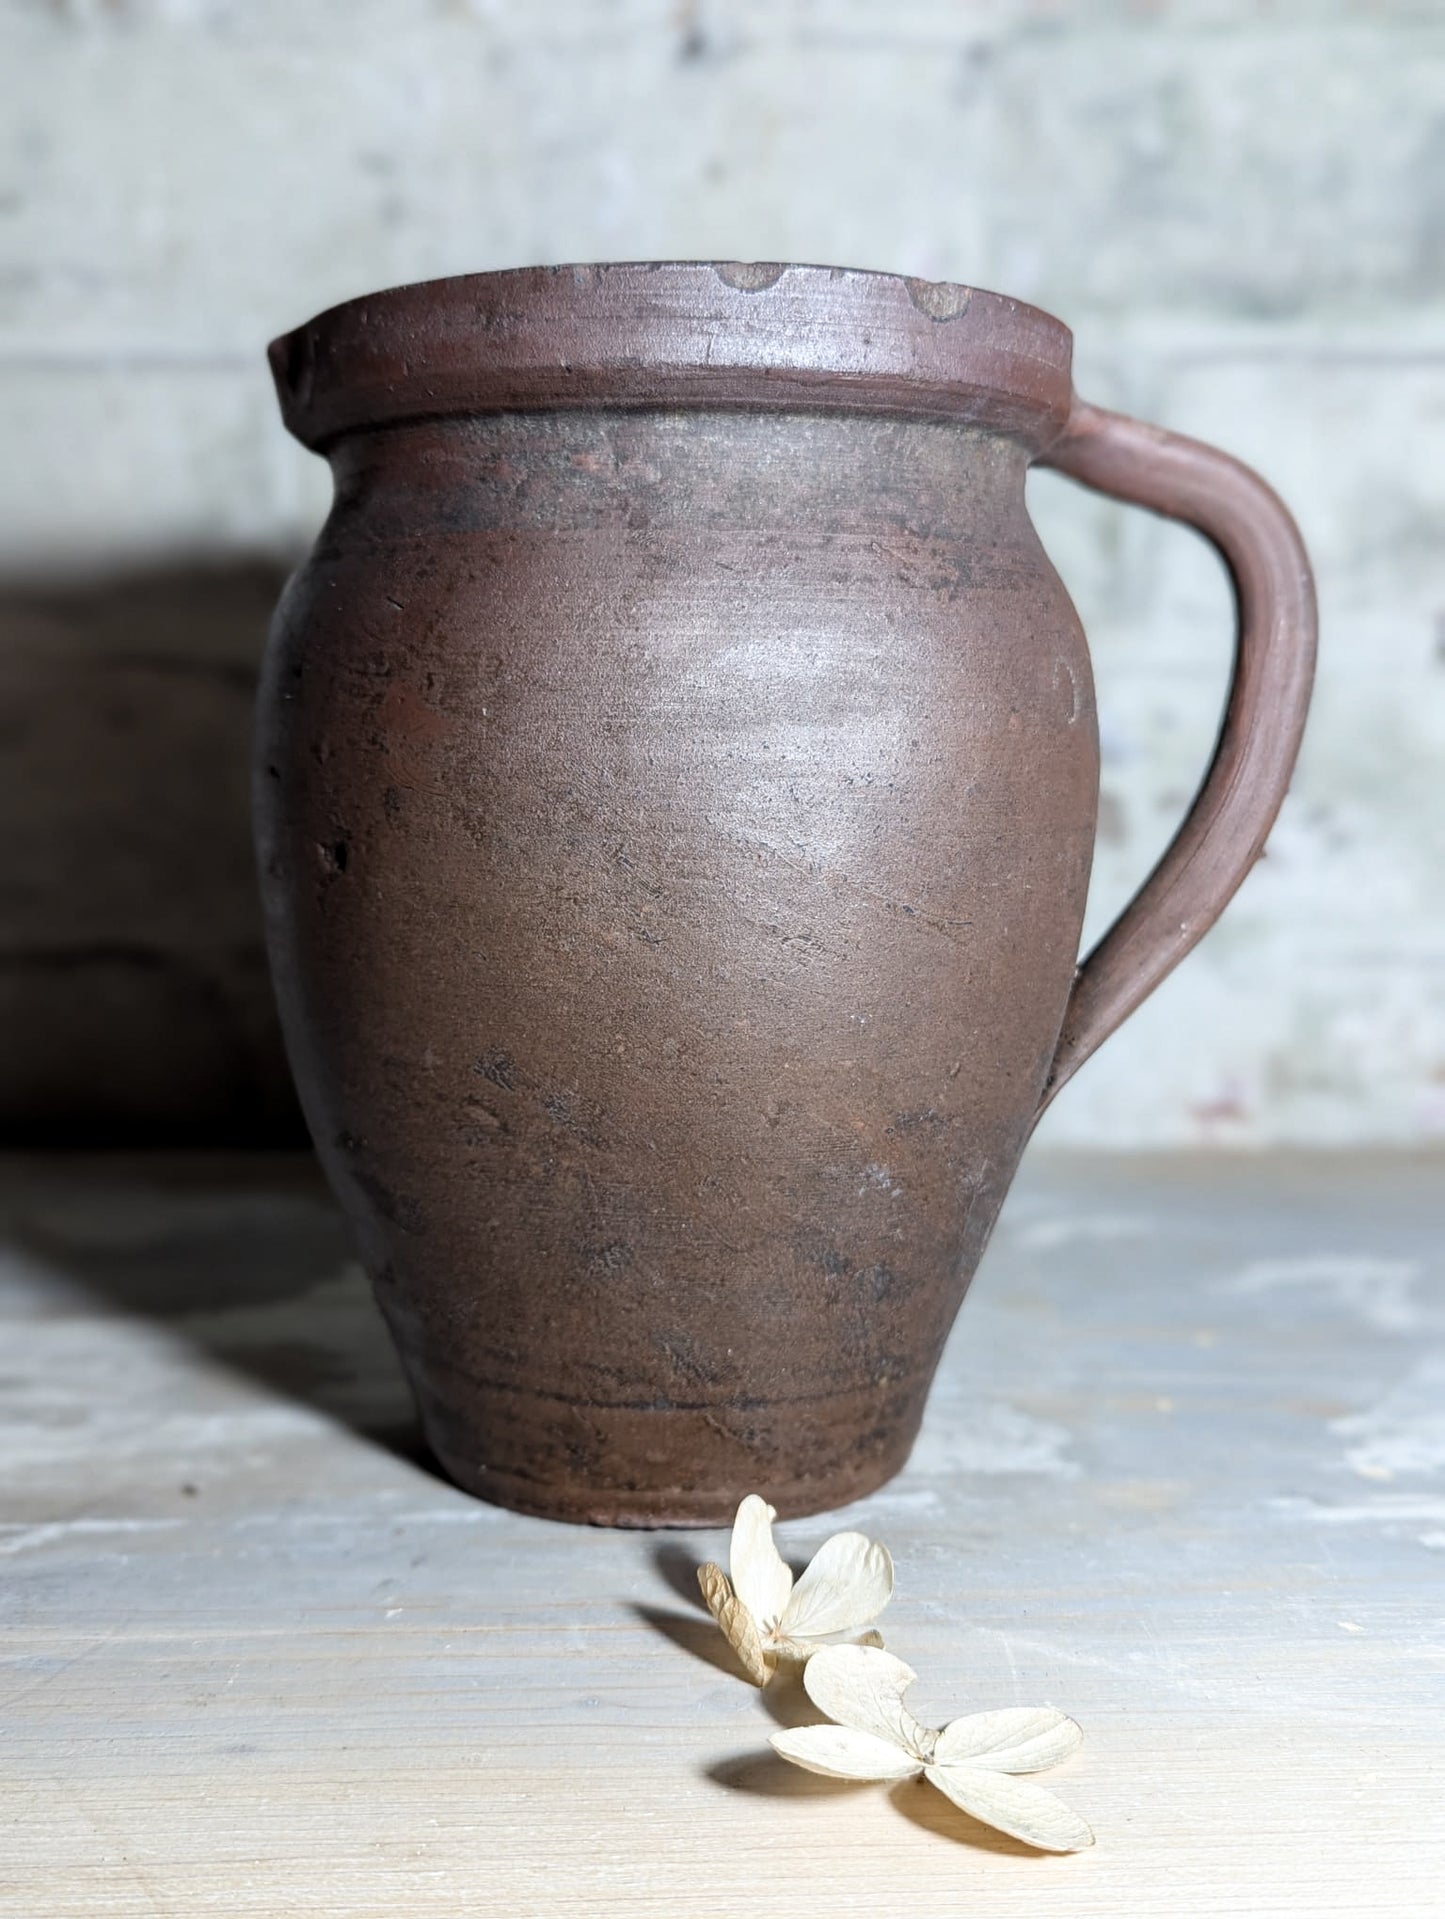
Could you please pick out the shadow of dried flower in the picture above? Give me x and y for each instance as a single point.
(769, 1777)
(693, 1634)
(917, 1801)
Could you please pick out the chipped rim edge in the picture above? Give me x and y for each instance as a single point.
(676, 334)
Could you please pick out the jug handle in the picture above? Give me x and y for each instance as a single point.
(1224, 831)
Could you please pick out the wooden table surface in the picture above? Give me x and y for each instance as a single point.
(1183, 1476)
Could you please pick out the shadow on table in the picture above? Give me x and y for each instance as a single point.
(918, 1801)
(695, 1634)
(693, 1630)
(766, 1775)
(245, 1259)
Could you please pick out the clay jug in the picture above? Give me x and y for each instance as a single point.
(676, 786)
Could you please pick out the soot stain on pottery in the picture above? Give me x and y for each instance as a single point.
(399, 1210)
(500, 1069)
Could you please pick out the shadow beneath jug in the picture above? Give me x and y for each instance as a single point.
(244, 1257)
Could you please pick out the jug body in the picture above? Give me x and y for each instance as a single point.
(675, 786)
(675, 828)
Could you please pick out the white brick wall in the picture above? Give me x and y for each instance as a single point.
(1239, 206)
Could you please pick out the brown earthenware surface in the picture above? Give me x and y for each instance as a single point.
(730, 334)
(676, 779)
(674, 926)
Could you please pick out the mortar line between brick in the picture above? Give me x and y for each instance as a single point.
(1382, 356)
(62, 362)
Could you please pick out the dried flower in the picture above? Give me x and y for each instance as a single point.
(766, 1619)
(971, 1760)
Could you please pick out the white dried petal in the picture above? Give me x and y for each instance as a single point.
(863, 1687)
(1017, 1739)
(841, 1753)
(739, 1627)
(848, 1583)
(761, 1579)
(1025, 1811)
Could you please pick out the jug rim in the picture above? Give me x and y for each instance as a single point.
(688, 333)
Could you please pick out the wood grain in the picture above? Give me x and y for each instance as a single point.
(1181, 1477)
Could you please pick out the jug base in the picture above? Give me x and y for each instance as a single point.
(646, 1509)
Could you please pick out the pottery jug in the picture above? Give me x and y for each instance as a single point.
(676, 785)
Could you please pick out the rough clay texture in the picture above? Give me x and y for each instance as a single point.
(697, 608)
(670, 1060)
(1237, 208)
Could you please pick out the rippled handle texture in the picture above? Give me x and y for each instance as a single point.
(1224, 832)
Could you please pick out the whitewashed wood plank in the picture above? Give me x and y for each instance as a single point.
(1182, 1477)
